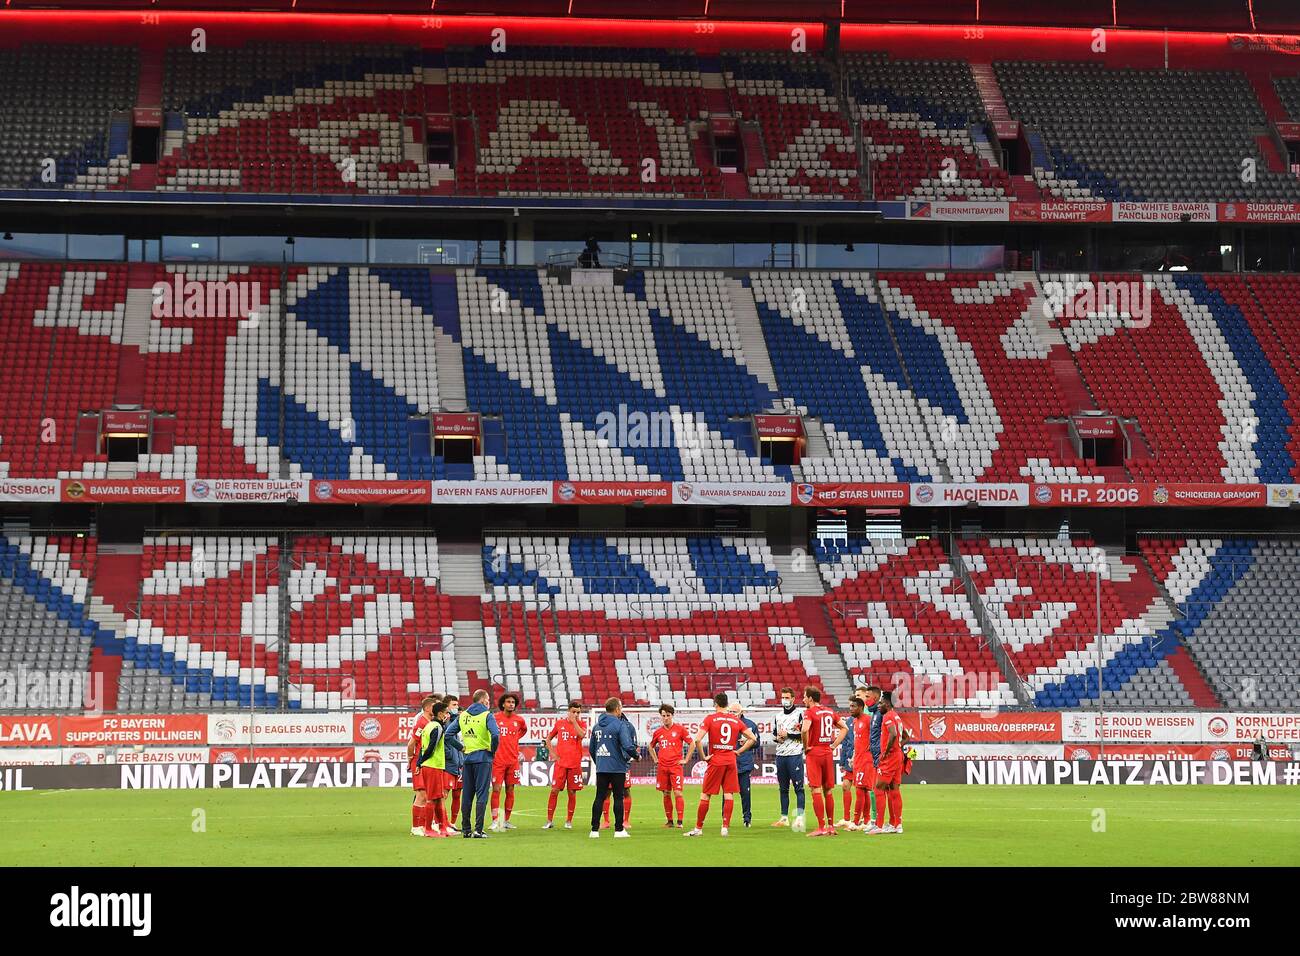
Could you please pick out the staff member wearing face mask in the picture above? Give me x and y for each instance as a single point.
(789, 759)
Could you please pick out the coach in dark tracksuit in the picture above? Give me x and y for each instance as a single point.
(612, 748)
(479, 737)
(745, 763)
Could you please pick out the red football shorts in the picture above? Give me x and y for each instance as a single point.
(417, 783)
(819, 768)
(452, 782)
(566, 778)
(864, 770)
(721, 777)
(669, 778)
(433, 780)
(505, 773)
(890, 771)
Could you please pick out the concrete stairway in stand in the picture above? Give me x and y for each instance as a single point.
(745, 313)
(461, 578)
(800, 580)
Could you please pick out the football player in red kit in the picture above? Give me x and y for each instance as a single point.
(889, 774)
(864, 771)
(413, 755)
(823, 731)
(430, 756)
(505, 764)
(666, 746)
(565, 743)
(727, 736)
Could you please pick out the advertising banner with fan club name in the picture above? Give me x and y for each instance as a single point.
(357, 492)
(612, 492)
(756, 493)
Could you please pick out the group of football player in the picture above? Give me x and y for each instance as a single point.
(872, 743)
(807, 734)
(442, 765)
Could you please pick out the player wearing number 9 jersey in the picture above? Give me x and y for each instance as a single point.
(727, 736)
(823, 731)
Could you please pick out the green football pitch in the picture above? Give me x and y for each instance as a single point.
(945, 825)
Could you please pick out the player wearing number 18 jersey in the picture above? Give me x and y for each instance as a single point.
(727, 736)
(823, 731)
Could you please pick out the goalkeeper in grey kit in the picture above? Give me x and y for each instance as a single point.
(789, 759)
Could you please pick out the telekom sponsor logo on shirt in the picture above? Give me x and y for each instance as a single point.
(569, 741)
(667, 742)
(513, 729)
